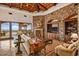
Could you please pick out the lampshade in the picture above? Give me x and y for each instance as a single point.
(74, 35)
(23, 28)
(19, 32)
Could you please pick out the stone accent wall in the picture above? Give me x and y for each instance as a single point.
(61, 30)
(60, 15)
(39, 23)
(64, 13)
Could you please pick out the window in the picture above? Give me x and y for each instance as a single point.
(5, 30)
(15, 28)
(29, 27)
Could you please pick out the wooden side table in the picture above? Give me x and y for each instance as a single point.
(37, 47)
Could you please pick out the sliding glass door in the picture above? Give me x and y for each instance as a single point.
(15, 29)
(5, 30)
(8, 30)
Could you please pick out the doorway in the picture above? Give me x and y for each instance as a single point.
(7, 32)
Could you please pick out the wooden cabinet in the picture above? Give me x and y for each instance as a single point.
(71, 26)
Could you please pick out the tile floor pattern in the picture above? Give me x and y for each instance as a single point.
(50, 49)
(6, 50)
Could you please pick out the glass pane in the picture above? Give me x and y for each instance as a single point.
(29, 27)
(29, 30)
(5, 30)
(15, 28)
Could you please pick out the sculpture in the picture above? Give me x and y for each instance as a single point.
(18, 42)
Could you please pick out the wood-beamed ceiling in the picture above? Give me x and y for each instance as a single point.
(31, 7)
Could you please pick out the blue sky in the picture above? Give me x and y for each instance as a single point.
(5, 26)
(15, 26)
(29, 27)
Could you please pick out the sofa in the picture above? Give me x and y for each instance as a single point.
(26, 44)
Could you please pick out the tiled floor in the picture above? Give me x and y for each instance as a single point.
(9, 50)
(50, 49)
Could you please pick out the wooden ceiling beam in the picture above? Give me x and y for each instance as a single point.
(21, 6)
(38, 9)
(37, 6)
(43, 6)
(10, 5)
(54, 4)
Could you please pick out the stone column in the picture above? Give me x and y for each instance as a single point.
(45, 28)
(61, 29)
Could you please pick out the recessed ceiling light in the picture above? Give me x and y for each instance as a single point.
(10, 13)
(25, 15)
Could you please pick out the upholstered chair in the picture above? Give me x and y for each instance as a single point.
(63, 50)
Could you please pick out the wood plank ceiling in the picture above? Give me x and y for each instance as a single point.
(31, 7)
